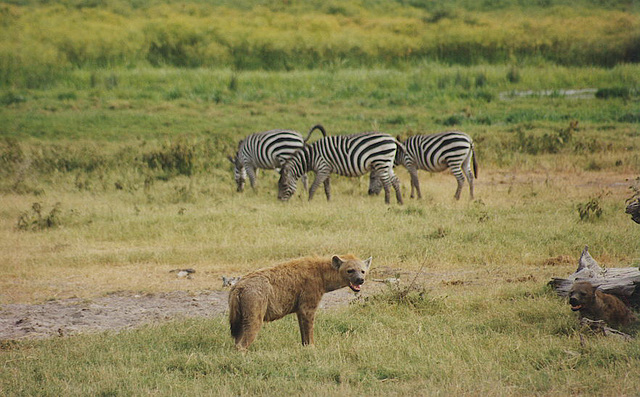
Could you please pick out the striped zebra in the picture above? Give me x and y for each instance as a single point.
(347, 155)
(436, 153)
(267, 150)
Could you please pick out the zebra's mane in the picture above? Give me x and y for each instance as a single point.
(299, 160)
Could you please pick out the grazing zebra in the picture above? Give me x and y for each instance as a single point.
(348, 155)
(435, 153)
(267, 150)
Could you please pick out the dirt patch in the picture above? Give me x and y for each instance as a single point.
(121, 311)
(127, 310)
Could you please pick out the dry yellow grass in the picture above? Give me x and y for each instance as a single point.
(114, 242)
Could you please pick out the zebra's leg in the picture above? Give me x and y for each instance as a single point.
(460, 179)
(327, 188)
(415, 182)
(395, 182)
(466, 168)
(251, 173)
(374, 183)
(305, 180)
(387, 193)
(385, 178)
(321, 176)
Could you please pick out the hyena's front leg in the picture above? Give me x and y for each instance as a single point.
(305, 321)
(307, 306)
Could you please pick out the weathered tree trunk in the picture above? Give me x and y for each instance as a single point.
(616, 281)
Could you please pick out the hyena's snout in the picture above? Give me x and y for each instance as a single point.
(575, 303)
(355, 281)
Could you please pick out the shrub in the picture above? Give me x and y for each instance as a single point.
(513, 75)
(592, 209)
(453, 120)
(35, 219)
(547, 143)
(11, 154)
(10, 98)
(413, 296)
(68, 158)
(175, 158)
(615, 92)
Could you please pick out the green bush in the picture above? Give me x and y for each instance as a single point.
(614, 92)
(36, 219)
(177, 158)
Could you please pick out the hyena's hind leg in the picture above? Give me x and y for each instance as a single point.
(251, 325)
(249, 317)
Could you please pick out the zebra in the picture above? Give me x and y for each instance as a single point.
(436, 153)
(347, 155)
(267, 150)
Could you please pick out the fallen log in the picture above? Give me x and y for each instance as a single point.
(633, 209)
(633, 202)
(616, 281)
(600, 328)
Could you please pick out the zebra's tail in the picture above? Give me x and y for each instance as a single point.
(316, 127)
(475, 163)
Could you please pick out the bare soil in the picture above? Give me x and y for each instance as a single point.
(124, 310)
(121, 311)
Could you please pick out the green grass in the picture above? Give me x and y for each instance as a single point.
(516, 340)
(128, 169)
(40, 42)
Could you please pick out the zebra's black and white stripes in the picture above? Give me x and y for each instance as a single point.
(451, 150)
(266, 150)
(348, 155)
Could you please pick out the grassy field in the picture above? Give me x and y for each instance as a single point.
(112, 178)
(40, 41)
(113, 172)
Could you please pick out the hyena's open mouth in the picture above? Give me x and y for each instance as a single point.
(354, 287)
(576, 307)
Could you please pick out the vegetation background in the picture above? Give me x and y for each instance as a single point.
(116, 119)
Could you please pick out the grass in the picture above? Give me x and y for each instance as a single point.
(112, 177)
(42, 41)
(516, 340)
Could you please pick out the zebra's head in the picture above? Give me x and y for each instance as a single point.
(239, 172)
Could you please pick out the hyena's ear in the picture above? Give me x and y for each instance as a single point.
(367, 263)
(336, 262)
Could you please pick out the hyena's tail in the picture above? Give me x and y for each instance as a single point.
(235, 314)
